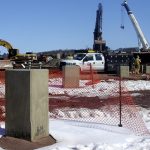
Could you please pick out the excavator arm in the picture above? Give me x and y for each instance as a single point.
(11, 52)
(5, 44)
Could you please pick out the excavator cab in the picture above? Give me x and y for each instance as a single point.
(12, 53)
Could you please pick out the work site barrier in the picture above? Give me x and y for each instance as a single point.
(98, 99)
(2, 95)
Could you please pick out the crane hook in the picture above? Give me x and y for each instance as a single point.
(122, 19)
(122, 26)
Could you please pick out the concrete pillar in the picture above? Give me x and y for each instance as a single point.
(58, 56)
(124, 71)
(71, 76)
(27, 104)
(148, 69)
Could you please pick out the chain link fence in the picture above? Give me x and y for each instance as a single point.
(98, 99)
(2, 95)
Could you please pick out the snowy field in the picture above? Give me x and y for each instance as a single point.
(76, 135)
(103, 88)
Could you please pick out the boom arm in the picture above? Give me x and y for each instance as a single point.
(11, 52)
(136, 26)
(5, 44)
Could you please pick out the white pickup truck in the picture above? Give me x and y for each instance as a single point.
(86, 61)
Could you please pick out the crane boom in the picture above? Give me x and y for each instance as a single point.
(137, 27)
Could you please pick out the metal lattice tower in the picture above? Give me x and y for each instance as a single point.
(98, 24)
(99, 44)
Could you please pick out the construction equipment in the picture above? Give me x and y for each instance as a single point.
(140, 35)
(11, 51)
(16, 58)
(99, 44)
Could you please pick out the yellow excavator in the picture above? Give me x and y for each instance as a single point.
(11, 51)
(15, 57)
(13, 54)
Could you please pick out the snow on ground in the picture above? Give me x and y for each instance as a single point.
(137, 85)
(103, 89)
(2, 90)
(83, 136)
(76, 135)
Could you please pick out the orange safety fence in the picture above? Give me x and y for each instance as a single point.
(99, 99)
(2, 95)
(106, 101)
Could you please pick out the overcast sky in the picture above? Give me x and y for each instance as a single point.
(41, 25)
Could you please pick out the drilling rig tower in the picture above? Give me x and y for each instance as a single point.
(99, 44)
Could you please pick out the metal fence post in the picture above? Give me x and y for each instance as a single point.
(91, 72)
(120, 104)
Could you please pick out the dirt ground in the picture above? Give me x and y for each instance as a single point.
(143, 99)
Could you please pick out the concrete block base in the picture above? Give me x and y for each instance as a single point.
(123, 71)
(71, 76)
(21, 144)
(148, 69)
(27, 104)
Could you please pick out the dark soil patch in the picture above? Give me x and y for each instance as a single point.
(143, 99)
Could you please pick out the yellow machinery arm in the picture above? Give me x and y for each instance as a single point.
(5, 44)
(11, 52)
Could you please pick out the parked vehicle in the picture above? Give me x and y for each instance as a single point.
(86, 61)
